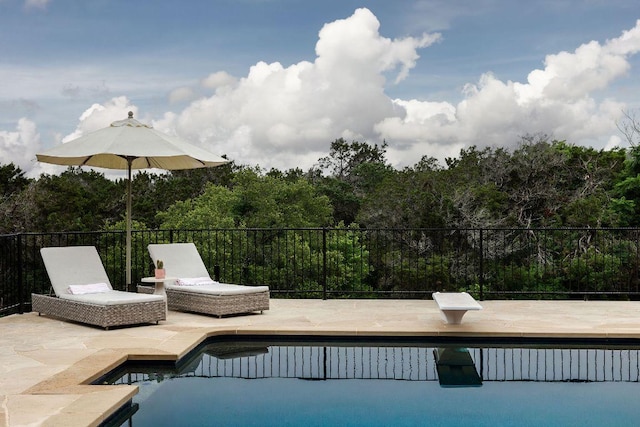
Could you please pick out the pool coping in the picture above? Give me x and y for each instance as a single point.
(66, 396)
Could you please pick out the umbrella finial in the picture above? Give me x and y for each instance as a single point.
(131, 122)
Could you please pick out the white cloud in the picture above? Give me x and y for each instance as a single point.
(217, 80)
(181, 94)
(560, 100)
(276, 113)
(286, 117)
(21, 145)
(614, 142)
(99, 116)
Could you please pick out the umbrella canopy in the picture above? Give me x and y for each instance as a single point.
(129, 141)
(130, 145)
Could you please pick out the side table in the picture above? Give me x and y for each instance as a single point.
(159, 284)
(159, 287)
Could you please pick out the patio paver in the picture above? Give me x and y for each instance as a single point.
(46, 364)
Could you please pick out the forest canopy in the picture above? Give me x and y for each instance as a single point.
(541, 183)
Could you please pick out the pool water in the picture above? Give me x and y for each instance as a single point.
(312, 384)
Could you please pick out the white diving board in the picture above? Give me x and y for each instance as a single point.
(453, 305)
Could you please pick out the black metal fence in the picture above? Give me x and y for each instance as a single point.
(361, 263)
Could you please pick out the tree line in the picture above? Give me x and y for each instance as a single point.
(540, 183)
(383, 229)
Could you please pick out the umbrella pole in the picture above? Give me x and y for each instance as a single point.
(128, 220)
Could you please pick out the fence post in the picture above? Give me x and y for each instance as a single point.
(481, 272)
(324, 263)
(20, 277)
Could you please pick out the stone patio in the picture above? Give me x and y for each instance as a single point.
(46, 364)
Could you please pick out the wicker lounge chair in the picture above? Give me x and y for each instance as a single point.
(182, 260)
(79, 268)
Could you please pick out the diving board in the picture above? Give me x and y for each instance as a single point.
(453, 305)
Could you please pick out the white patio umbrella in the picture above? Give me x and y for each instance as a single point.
(128, 145)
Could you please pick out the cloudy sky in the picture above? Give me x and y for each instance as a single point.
(273, 82)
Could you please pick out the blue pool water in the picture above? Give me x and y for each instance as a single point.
(327, 385)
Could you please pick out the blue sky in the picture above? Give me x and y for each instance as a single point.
(273, 82)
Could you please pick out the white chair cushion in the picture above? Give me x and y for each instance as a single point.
(91, 288)
(73, 265)
(113, 298)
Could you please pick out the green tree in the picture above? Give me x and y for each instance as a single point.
(75, 200)
(12, 180)
(350, 172)
(412, 198)
(153, 193)
(475, 186)
(347, 260)
(588, 186)
(267, 201)
(213, 209)
(258, 207)
(13, 188)
(254, 200)
(626, 191)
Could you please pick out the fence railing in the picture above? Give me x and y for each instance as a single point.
(361, 263)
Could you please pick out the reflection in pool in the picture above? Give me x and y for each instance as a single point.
(341, 383)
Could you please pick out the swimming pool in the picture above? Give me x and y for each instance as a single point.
(309, 382)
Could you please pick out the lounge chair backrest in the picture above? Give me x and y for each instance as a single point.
(180, 260)
(73, 265)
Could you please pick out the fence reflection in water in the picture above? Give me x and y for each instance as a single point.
(312, 362)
